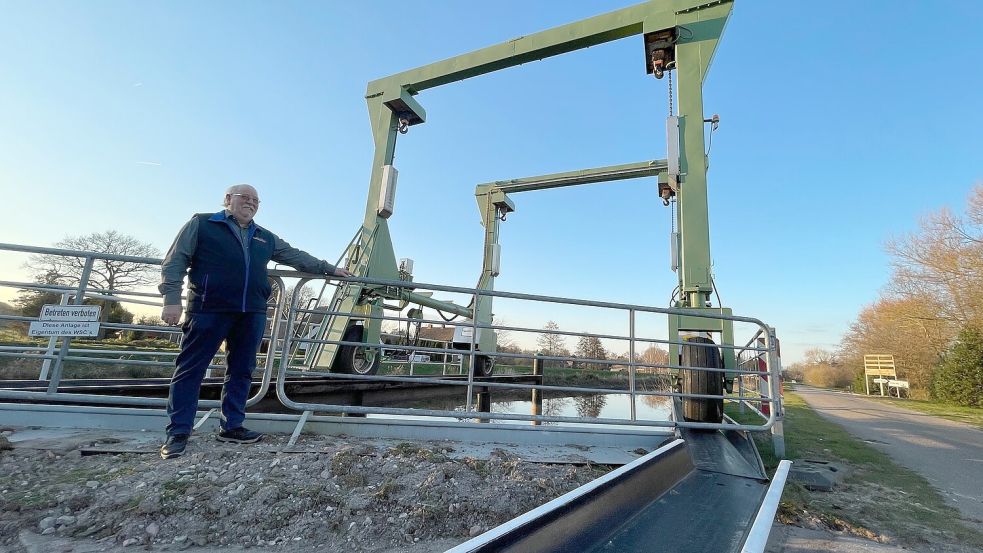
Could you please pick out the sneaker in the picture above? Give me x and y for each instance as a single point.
(239, 435)
(174, 446)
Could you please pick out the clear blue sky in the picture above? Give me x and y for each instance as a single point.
(842, 124)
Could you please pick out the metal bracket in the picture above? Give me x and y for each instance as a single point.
(204, 418)
(298, 428)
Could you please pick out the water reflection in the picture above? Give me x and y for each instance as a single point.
(590, 406)
(583, 406)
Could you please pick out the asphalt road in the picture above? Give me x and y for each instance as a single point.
(948, 454)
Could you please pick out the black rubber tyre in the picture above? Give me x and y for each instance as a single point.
(484, 365)
(356, 359)
(702, 382)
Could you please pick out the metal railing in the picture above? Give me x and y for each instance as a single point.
(633, 365)
(636, 379)
(54, 357)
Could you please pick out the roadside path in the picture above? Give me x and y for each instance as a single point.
(948, 454)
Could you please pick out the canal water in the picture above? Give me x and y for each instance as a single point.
(591, 406)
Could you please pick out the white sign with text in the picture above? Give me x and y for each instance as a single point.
(67, 320)
(64, 328)
(70, 313)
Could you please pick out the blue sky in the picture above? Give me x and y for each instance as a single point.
(841, 125)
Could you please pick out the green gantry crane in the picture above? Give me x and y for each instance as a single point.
(679, 36)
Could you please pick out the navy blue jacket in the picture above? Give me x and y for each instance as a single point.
(222, 278)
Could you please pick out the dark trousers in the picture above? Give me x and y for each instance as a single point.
(203, 334)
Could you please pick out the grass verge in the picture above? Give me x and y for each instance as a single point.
(878, 500)
(968, 415)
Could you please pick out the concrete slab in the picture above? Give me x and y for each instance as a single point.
(817, 475)
(105, 441)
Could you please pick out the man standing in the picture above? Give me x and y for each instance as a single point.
(224, 255)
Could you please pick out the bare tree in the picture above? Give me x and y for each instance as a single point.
(504, 339)
(551, 344)
(107, 274)
(942, 263)
(654, 356)
(305, 296)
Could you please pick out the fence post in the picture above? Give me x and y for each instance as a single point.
(46, 364)
(740, 393)
(66, 340)
(483, 401)
(537, 394)
(631, 362)
(777, 409)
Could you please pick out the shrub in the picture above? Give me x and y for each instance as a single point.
(828, 376)
(959, 378)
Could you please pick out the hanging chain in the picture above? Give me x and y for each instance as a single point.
(670, 94)
(672, 213)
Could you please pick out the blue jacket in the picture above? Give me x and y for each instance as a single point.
(222, 277)
(226, 266)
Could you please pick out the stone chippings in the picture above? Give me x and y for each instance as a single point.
(337, 494)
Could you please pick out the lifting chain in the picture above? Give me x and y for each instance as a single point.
(670, 94)
(672, 214)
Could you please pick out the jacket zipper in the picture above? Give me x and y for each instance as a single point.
(247, 259)
(204, 294)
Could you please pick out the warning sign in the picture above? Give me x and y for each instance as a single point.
(67, 320)
(70, 313)
(63, 328)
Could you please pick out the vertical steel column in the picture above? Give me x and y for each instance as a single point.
(631, 360)
(777, 409)
(471, 355)
(694, 226)
(66, 340)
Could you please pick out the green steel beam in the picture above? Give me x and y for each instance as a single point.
(696, 26)
(583, 176)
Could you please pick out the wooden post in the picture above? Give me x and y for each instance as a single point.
(483, 399)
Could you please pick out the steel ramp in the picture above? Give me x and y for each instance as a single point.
(701, 492)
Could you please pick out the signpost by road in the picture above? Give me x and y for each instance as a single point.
(881, 367)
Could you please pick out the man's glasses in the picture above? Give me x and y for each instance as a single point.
(248, 198)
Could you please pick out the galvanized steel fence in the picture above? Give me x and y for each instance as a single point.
(289, 331)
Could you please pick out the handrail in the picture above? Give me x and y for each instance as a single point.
(469, 413)
(286, 312)
(83, 291)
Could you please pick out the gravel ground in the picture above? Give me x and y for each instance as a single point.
(328, 494)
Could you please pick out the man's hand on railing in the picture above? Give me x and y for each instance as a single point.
(342, 272)
(171, 314)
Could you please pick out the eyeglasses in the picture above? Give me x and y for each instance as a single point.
(248, 198)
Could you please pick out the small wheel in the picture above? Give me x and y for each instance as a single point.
(484, 365)
(363, 360)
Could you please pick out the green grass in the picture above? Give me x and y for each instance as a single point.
(879, 495)
(29, 369)
(958, 413)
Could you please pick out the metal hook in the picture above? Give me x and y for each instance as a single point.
(404, 126)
